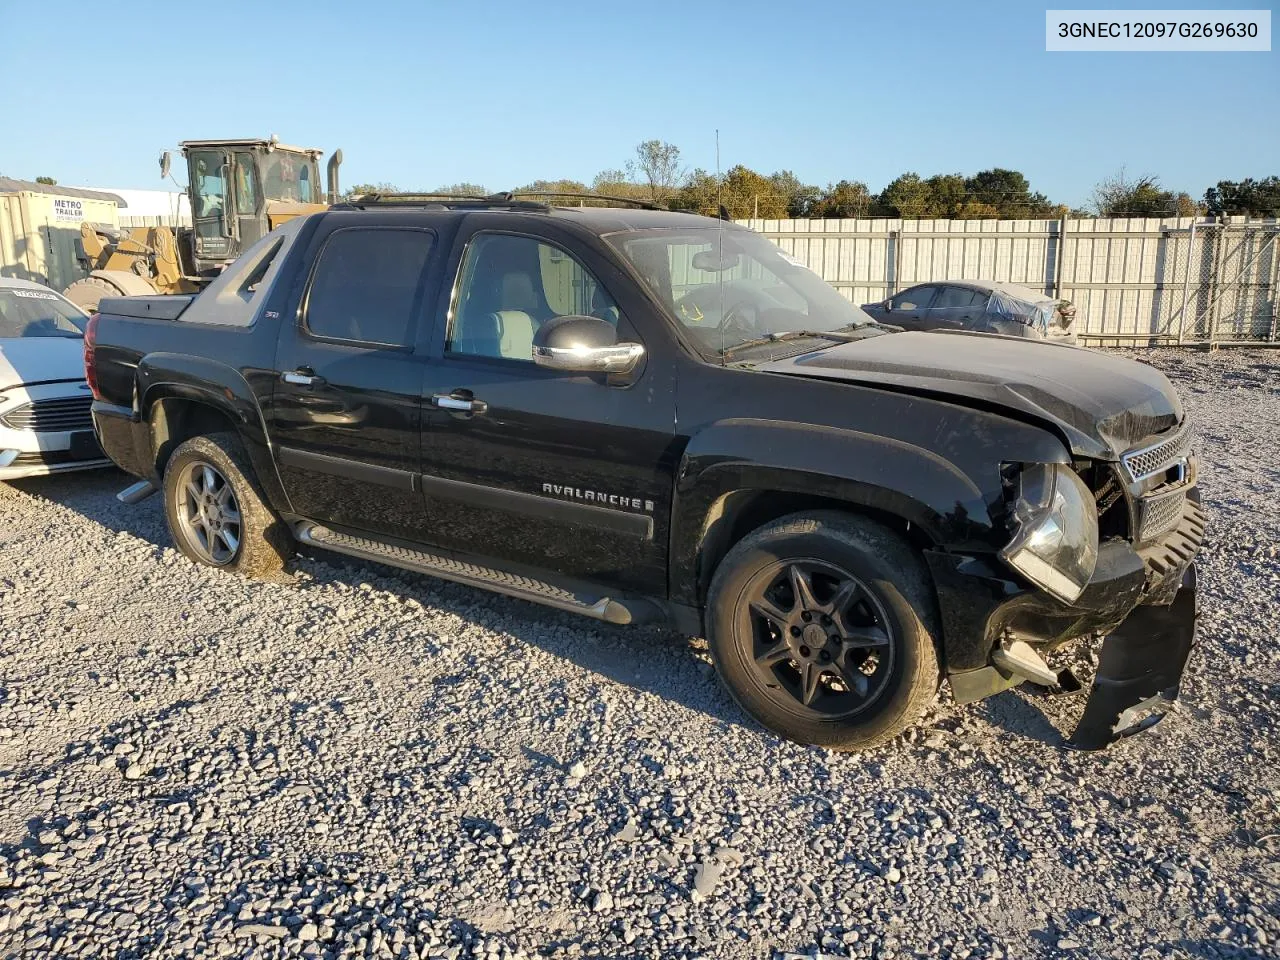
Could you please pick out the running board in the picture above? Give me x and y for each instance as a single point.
(498, 581)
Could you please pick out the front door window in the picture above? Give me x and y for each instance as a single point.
(510, 287)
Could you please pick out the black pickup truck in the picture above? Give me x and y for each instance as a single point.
(645, 416)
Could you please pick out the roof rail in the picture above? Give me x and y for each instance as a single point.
(442, 200)
(507, 199)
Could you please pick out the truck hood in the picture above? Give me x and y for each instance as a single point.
(40, 359)
(1101, 405)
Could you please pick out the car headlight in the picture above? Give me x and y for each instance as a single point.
(1055, 540)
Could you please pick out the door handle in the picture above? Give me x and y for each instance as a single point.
(460, 401)
(303, 377)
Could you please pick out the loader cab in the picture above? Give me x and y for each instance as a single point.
(242, 189)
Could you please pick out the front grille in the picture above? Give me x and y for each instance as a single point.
(1180, 544)
(52, 458)
(61, 415)
(1157, 457)
(1159, 515)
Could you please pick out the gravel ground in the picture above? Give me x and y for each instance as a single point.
(360, 762)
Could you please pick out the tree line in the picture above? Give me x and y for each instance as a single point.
(656, 174)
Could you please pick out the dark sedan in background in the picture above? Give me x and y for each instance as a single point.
(979, 305)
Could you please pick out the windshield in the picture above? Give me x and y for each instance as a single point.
(290, 176)
(38, 313)
(730, 286)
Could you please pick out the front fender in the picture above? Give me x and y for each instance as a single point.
(858, 468)
(202, 380)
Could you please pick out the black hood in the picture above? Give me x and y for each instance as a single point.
(1102, 405)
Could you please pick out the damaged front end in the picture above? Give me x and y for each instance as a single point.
(1140, 669)
(1140, 596)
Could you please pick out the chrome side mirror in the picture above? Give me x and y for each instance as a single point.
(581, 344)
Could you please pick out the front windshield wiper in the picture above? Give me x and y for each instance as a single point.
(839, 337)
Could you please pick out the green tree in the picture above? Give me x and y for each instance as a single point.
(750, 194)
(1120, 196)
(553, 186)
(908, 197)
(659, 166)
(848, 198)
(360, 189)
(619, 183)
(949, 197)
(801, 197)
(698, 194)
(1247, 197)
(47, 181)
(1009, 192)
(463, 189)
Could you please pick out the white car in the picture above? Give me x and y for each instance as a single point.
(45, 425)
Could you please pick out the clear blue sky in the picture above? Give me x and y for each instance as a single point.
(425, 93)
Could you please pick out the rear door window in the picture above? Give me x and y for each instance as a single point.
(367, 286)
(955, 298)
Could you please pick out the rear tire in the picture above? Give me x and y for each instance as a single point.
(823, 626)
(217, 513)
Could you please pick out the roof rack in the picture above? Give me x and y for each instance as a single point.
(507, 199)
(442, 200)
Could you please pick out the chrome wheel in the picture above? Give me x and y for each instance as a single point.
(820, 641)
(207, 513)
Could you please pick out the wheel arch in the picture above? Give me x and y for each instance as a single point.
(739, 475)
(181, 397)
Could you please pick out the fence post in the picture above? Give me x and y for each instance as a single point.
(1215, 280)
(895, 237)
(1061, 258)
(1186, 282)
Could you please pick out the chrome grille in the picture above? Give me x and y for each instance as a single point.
(60, 415)
(1150, 460)
(1158, 515)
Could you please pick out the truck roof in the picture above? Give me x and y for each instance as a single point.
(248, 142)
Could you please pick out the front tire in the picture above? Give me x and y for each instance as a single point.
(217, 514)
(823, 627)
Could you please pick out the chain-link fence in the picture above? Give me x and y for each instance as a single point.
(1230, 284)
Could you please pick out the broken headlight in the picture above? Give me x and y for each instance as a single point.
(1055, 539)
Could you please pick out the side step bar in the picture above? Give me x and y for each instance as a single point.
(498, 581)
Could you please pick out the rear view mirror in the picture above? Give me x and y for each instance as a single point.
(583, 344)
(164, 164)
(712, 262)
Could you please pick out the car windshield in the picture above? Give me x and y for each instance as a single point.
(730, 286)
(38, 313)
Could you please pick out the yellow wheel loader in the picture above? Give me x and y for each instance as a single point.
(239, 189)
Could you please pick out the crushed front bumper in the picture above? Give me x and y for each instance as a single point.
(1142, 601)
(1140, 669)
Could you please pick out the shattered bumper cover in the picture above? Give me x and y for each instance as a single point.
(1140, 669)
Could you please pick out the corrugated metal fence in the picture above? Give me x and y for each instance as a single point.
(1132, 280)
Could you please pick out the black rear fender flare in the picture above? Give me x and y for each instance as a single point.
(171, 376)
